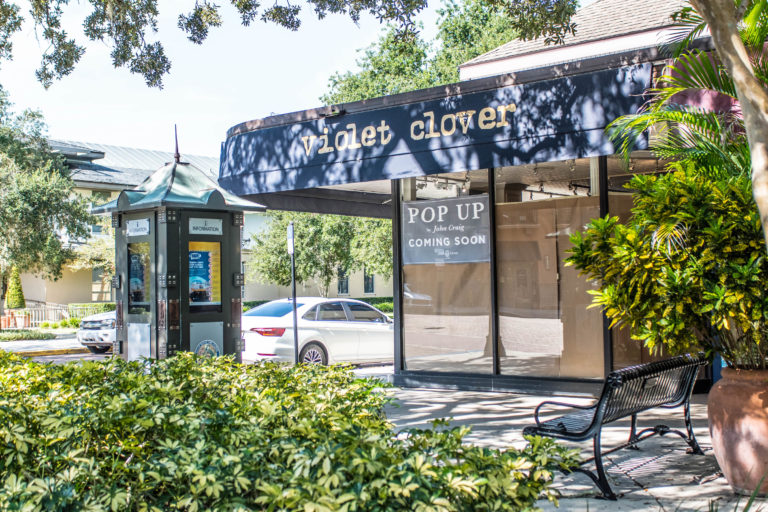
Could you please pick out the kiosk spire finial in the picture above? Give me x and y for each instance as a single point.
(176, 155)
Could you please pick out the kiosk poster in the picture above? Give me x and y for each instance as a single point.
(138, 277)
(204, 274)
(454, 230)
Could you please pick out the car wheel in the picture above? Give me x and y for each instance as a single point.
(98, 350)
(313, 353)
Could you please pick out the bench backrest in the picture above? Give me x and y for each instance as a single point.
(646, 386)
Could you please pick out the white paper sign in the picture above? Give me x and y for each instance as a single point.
(205, 226)
(138, 341)
(138, 227)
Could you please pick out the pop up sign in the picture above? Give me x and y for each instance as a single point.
(455, 230)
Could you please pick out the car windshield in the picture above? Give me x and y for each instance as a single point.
(272, 309)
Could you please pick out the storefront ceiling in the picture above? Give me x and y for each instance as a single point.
(536, 122)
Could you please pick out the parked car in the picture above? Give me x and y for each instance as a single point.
(97, 332)
(330, 331)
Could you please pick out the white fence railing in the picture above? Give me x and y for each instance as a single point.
(34, 316)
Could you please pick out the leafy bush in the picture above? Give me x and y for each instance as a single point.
(209, 434)
(74, 322)
(54, 325)
(76, 308)
(64, 323)
(45, 325)
(250, 304)
(14, 296)
(25, 334)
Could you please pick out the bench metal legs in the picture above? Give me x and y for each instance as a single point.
(599, 477)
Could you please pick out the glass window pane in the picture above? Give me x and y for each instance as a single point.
(331, 311)
(363, 313)
(545, 328)
(446, 273)
(139, 282)
(310, 315)
(275, 309)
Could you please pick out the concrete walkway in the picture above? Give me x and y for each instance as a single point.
(658, 477)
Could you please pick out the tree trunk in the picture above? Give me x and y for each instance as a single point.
(721, 17)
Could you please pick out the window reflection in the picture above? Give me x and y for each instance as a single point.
(446, 294)
(545, 328)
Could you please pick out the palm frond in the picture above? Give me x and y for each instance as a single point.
(693, 71)
(755, 27)
(689, 25)
(671, 236)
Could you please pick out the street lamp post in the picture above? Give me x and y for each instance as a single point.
(293, 294)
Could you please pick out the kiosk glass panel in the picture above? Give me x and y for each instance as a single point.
(204, 276)
(139, 283)
(446, 273)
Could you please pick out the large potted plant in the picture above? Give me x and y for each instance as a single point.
(688, 270)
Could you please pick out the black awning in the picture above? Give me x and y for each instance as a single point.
(540, 121)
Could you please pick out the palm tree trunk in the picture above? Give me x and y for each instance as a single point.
(721, 16)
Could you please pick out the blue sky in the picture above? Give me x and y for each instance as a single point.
(238, 74)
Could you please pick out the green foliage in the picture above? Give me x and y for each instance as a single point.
(129, 28)
(54, 325)
(92, 307)
(323, 244)
(385, 304)
(689, 267)
(14, 297)
(45, 325)
(394, 65)
(64, 323)
(208, 434)
(25, 334)
(37, 202)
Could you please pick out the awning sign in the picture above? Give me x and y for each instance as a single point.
(446, 231)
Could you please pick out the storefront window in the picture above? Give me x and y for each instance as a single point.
(445, 238)
(545, 328)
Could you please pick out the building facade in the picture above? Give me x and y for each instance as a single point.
(485, 180)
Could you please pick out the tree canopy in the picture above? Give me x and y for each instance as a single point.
(324, 245)
(394, 64)
(39, 213)
(130, 27)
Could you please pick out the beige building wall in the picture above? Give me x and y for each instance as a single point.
(71, 287)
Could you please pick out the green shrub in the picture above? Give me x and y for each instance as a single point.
(24, 334)
(64, 323)
(76, 308)
(45, 325)
(55, 325)
(250, 304)
(14, 296)
(74, 322)
(208, 434)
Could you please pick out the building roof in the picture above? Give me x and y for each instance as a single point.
(120, 165)
(178, 185)
(602, 19)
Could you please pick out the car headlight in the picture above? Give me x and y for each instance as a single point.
(108, 324)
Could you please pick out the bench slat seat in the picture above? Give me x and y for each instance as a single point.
(625, 393)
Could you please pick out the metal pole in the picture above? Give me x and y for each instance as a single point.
(293, 294)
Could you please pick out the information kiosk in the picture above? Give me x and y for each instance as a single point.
(178, 276)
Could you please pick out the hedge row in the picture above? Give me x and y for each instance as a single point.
(190, 433)
(25, 334)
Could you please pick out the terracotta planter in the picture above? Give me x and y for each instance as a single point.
(738, 424)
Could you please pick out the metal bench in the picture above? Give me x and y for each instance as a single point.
(626, 393)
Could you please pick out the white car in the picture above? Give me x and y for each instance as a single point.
(330, 331)
(97, 332)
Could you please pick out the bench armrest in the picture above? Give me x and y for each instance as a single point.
(560, 404)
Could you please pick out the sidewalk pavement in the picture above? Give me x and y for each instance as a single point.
(660, 476)
(65, 343)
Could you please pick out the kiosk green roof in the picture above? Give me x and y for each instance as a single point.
(178, 185)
